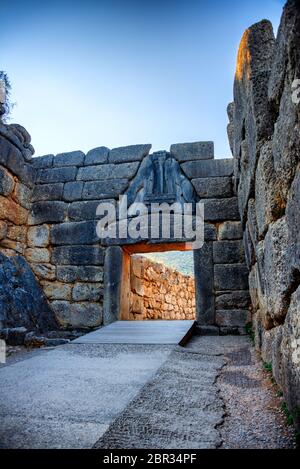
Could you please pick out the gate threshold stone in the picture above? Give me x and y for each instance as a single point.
(141, 332)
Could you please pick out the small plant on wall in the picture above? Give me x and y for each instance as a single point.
(5, 104)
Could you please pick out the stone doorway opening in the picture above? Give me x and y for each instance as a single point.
(158, 283)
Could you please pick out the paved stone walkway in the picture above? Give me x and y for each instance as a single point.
(210, 394)
(140, 332)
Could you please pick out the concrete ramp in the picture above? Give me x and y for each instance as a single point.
(141, 332)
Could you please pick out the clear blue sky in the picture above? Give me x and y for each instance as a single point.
(120, 72)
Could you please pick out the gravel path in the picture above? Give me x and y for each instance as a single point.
(254, 418)
(213, 393)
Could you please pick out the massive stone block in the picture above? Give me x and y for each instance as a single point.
(221, 209)
(208, 168)
(11, 211)
(85, 210)
(74, 233)
(64, 174)
(72, 273)
(290, 353)
(97, 155)
(77, 315)
(72, 191)
(292, 218)
(38, 236)
(230, 230)
(213, 187)
(231, 277)
(47, 192)
(77, 255)
(204, 281)
(22, 195)
(192, 151)
(233, 300)
(73, 158)
(228, 252)
(87, 292)
(130, 153)
(6, 182)
(47, 212)
(42, 162)
(22, 301)
(104, 189)
(232, 317)
(107, 171)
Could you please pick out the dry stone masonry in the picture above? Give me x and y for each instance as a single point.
(56, 273)
(158, 292)
(264, 134)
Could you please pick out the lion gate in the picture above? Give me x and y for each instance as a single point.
(84, 279)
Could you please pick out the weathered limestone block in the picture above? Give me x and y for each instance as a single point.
(77, 255)
(47, 212)
(290, 352)
(22, 301)
(192, 151)
(44, 271)
(269, 205)
(13, 245)
(42, 162)
(97, 155)
(11, 211)
(51, 175)
(293, 217)
(228, 252)
(77, 315)
(252, 119)
(233, 300)
(129, 153)
(107, 171)
(6, 182)
(39, 255)
(3, 229)
(57, 290)
(73, 191)
(47, 192)
(38, 236)
(278, 278)
(87, 292)
(221, 209)
(21, 168)
(104, 189)
(22, 195)
(232, 317)
(74, 233)
(85, 210)
(230, 230)
(17, 233)
(212, 187)
(230, 277)
(208, 168)
(73, 158)
(71, 273)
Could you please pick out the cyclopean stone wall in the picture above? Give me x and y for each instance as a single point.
(56, 231)
(22, 301)
(159, 292)
(264, 134)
